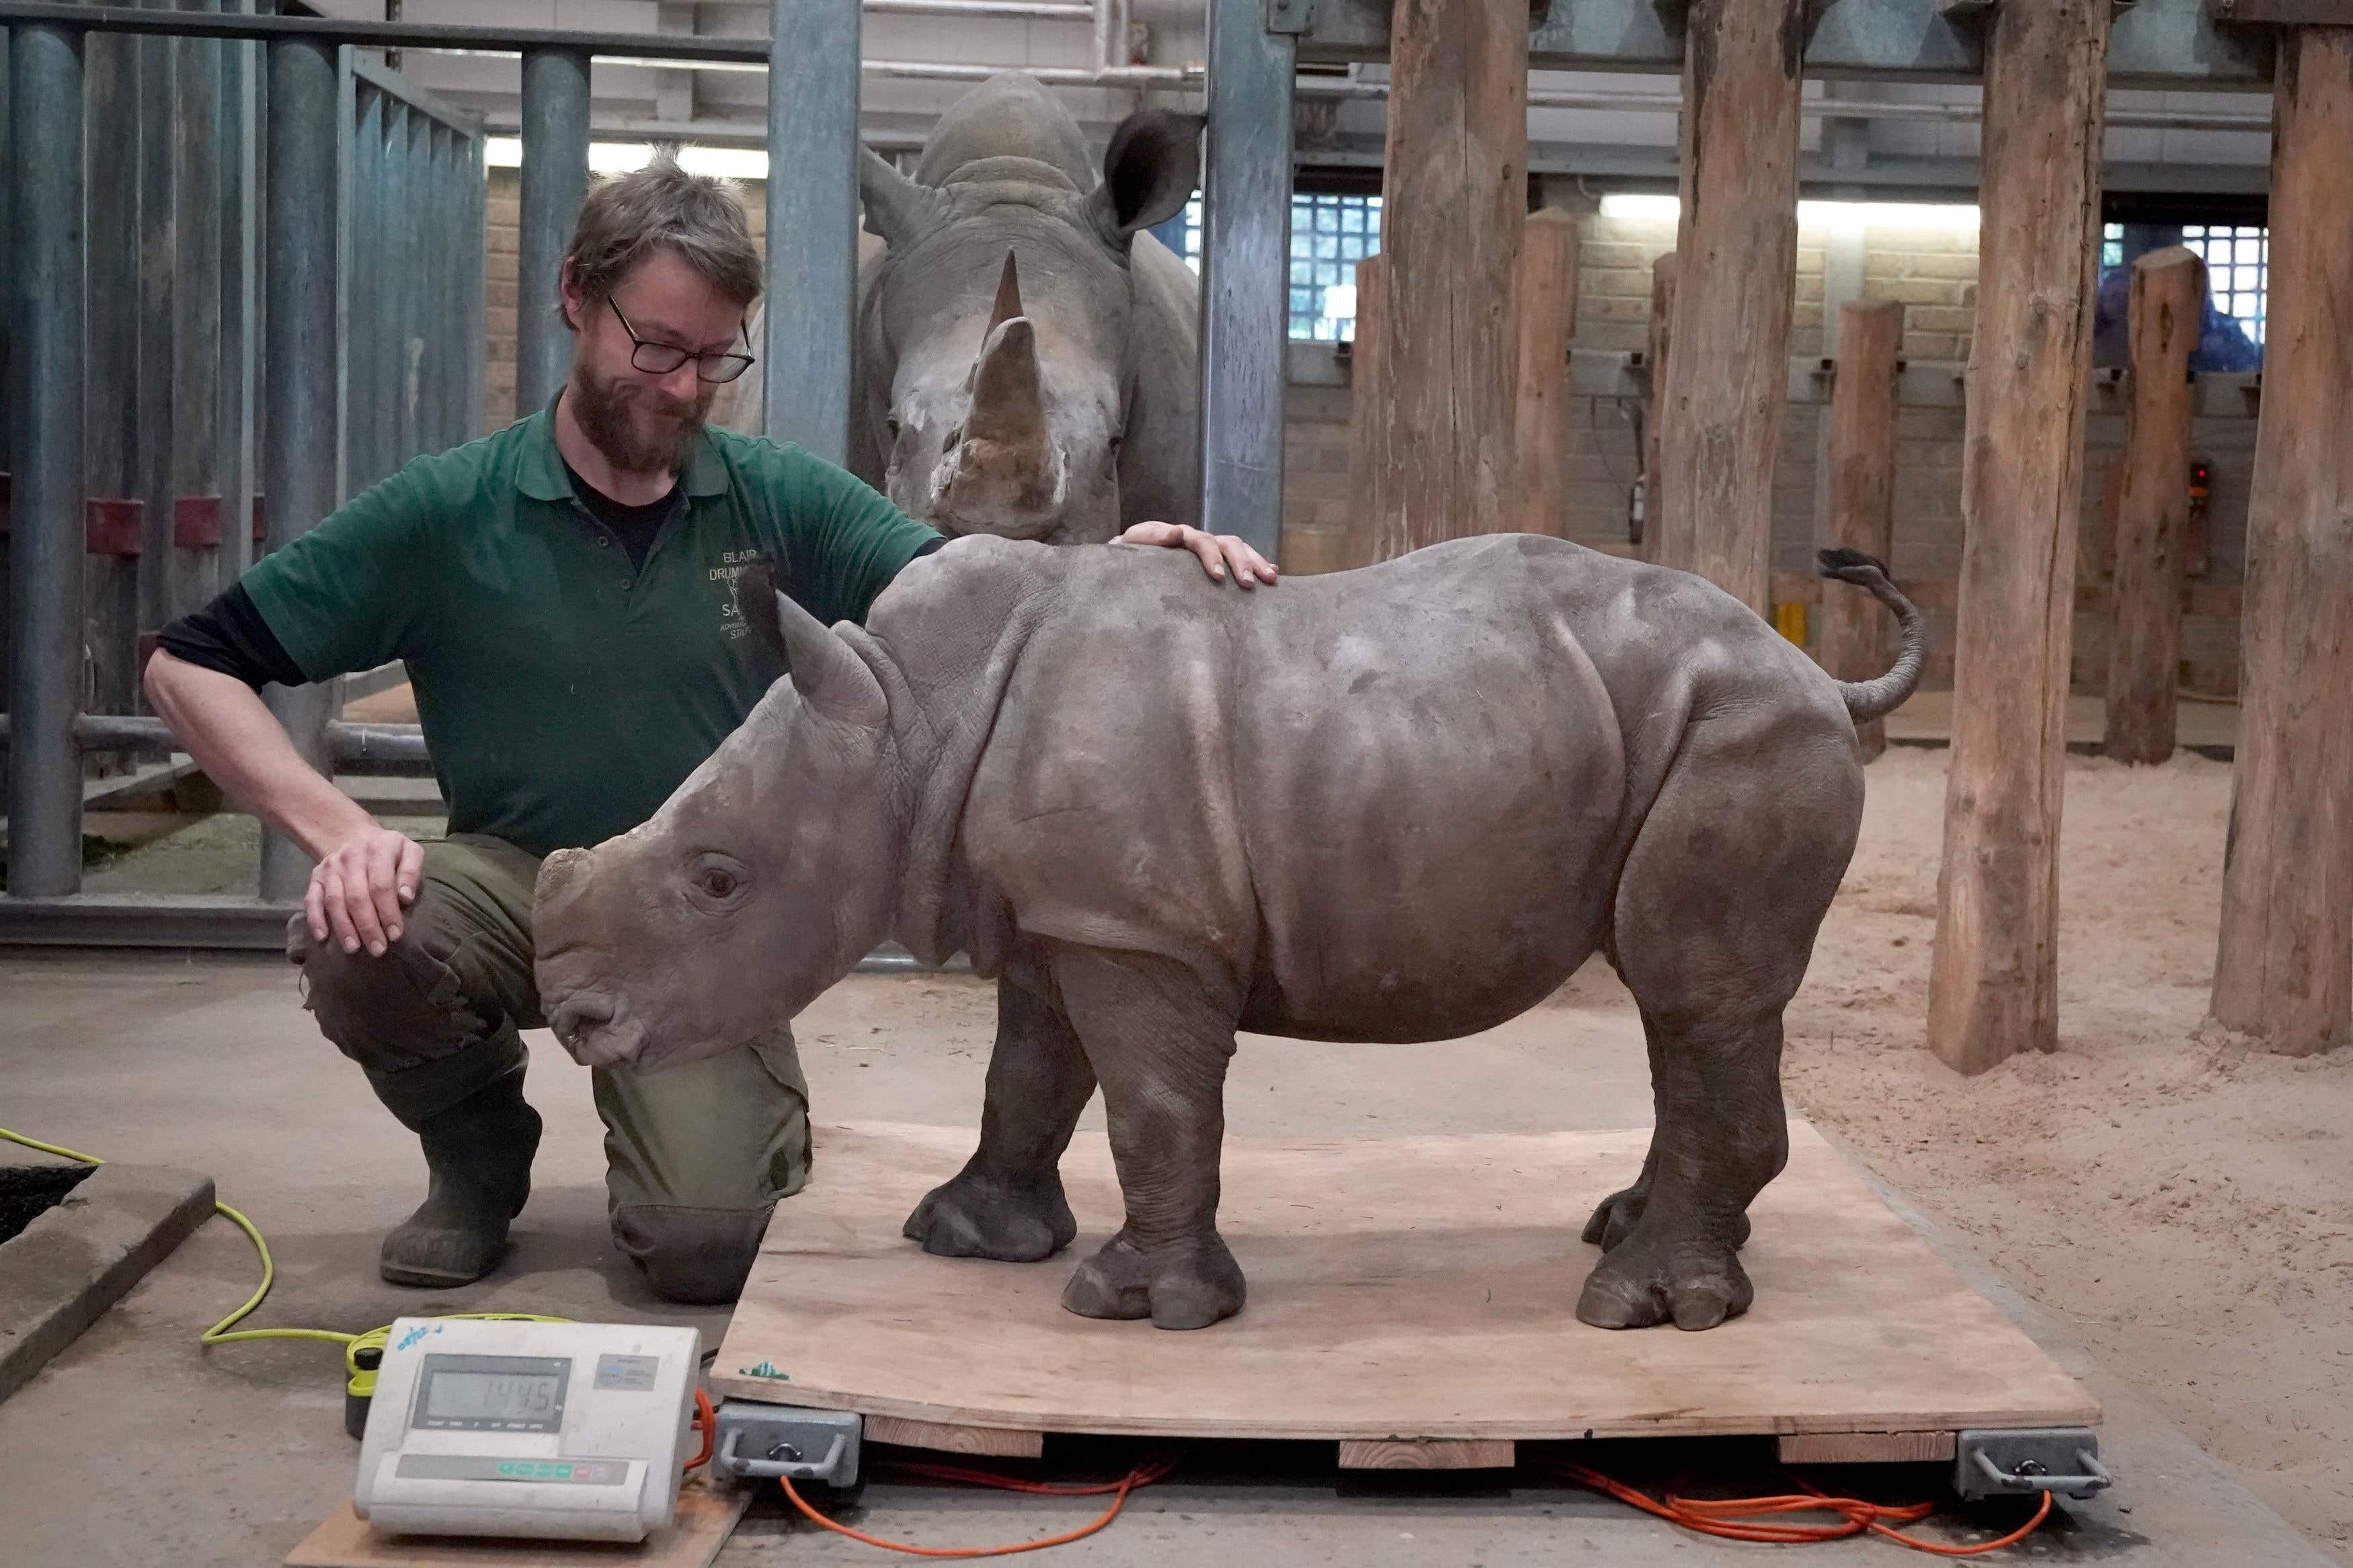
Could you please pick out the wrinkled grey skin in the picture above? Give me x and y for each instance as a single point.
(1063, 409)
(1400, 803)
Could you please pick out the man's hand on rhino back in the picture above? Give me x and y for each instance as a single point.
(1221, 554)
(359, 888)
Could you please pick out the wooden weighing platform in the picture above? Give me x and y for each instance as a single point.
(1412, 1298)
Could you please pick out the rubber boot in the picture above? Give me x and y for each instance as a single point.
(478, 1152)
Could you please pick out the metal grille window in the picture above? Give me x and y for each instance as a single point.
(1329, 235)
(2238, 263)
(2237, 257)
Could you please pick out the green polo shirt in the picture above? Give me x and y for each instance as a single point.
(563, 694)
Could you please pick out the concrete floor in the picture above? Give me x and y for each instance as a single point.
(134, 1448)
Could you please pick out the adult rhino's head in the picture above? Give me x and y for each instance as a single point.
(762, 880)
(998, 336)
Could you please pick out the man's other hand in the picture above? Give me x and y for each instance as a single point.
(360, 887)
(1221, 554)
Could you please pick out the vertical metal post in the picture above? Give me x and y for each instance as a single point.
(110, 361)
(439, 317)
(554, 180)
(812, 289)
(298, 459)
(197, 185)
(415, 297)
(152, 392)
(45, 542)
(240, 315)
(476, 288)
(1245, 274)
(387, 302)
(376, 213)
(7, 333)
(356, 255)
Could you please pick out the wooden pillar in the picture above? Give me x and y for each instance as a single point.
(1547, 309)
(2168, 300)
(1454, 201)
(1663, 272)
(1857, 642)
(1993, 985)
(1368, 413)
(2285, 971)
(1721, 418)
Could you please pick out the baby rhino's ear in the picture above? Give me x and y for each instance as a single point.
(756, 601)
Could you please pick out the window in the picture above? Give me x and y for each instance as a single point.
(2238, 264)
(2237, 257)
(1329, 235)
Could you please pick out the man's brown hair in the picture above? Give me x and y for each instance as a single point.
(697, 216)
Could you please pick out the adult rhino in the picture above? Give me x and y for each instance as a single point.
(1027, 357)
(1398, 804)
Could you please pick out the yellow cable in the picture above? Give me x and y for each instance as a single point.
(362, 1379)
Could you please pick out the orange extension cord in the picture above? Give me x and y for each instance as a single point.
(1143, 1475)
(1731, 1519)
(1739, 1519)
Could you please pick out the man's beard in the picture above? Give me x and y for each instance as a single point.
(608, 415)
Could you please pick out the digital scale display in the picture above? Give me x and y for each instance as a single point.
(492, 1393)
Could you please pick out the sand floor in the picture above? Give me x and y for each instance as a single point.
(2185, 1204)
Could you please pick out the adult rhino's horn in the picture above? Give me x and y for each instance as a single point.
(1009, 294)
(1009, 400)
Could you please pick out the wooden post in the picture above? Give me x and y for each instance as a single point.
(1368, 413)
(1857, 643)
(1993, 985)
(1721, 418)
(1663, 272)
(1454, 201)
(2285, 971)
(1547, 309)
(2168, 300)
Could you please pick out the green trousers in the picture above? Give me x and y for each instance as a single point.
(696, 1155)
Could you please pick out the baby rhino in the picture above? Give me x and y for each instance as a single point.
(1400, 803)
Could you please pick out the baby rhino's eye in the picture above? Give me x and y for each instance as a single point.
(717, 881)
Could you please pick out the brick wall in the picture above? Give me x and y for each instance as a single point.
(1932, 272)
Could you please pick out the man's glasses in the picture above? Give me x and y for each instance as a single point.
(661, 359)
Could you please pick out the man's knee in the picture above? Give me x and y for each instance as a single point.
(698, 1257)
(391, 1013)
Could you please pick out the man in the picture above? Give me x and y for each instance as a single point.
(562, 593)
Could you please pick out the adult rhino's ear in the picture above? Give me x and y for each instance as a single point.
(832, 679)
(1150, 170)
(898, 209)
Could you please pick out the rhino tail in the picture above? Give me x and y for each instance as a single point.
(1867, 699)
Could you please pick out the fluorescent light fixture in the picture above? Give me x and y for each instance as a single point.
(1959, 215)
(620, 157)
(1954, 216)
(1626, 203)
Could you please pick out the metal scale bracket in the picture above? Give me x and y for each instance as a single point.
(2027, 1459)
(756, 1442)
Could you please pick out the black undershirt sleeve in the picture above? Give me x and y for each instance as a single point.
(230, 635)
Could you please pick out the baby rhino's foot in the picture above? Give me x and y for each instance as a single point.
(1663, 1274)
(1186, 1285)
(986, 1217)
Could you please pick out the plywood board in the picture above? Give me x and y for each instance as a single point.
(705, 1516)
(999, 1442)
(1437, 1453)
(1399, 1287)
(1866, 1447)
